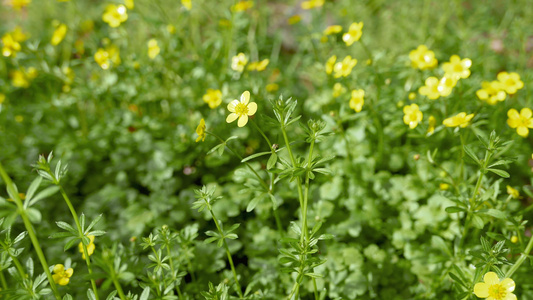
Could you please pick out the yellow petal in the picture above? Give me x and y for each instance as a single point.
(510, 296)
(526, 113)
(245, 97)
(252, 108)
(491, 278)
(63, 281)
(59, 268)
(522, 131)
(242, 120)
(232, 104)
(513, 114)
(231, 117)
(481, 290)
(508, 284)
(69, 272)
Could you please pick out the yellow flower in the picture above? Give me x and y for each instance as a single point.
(412, 96)
(243, 6)
(338, 90)
(345, 67)
(431, 89)
(90, 247)
(259, 65)
(2, 98)
(22, 78)
(521, 121)
(412, 115)
(457, 67)
(187, 4)
(510, 82)
(312, 4)
(114, 15)
(357, 100)
(446, 85)
(238, 62)
(333, 29)
(18, 4)
(59, 34)
(213, 98)
(459, 120)
(153, 49)
(513, 192)
(11, 47)
(431, 125)
(272, 87)
(354, 33)
(514, 239)
(294, 19)
(241, 109)
(200, 131)
(492, 92)
(104, 57)
(129, 4)
(444, 186)
(171, 29)
(62, 276)
(330, 64)
(495, 289)
(422, 58)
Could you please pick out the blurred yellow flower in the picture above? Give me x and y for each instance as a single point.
(18, 4)
(345, 67)
(19, 119)
(187, 4)
(59, 34)
(495, 289)
(521, 121)
(312, 4)
(444, 186)
(153, 48)
(272, 87)
(241, 109)
(510, 82)
(333, 29)
(457, 67)
(431, 89)
(62, 276)
(22, 77)
(171, 29)
(258, 65)
(432, 122)
(213, 98)
(11, 41)
(446, 85)
(330, 64)
(513, 192)
(412, 96)
(491, 92)
(338, 90)
(412, 115)
(2, 98)
(238, 62)
(243, 5)
(104, 57)
(129, 4)
(90, 247)
(514, 239)
(459, 120)
(200, 131)
(357, 100)
(294, 19)
(354, 33)
(115, 15)
(422, 58)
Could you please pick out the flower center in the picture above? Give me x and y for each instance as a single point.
(458, 68)
(497, 292)
(241, 109)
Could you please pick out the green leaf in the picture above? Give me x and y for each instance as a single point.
(272, 161)
(217, 148)
(59, 235)
(255, 155)
(34, 215)
(500, 173)
(457, 279)
(454, 209)
(67, 227)
(49, 191)
(33, 188)
(494, 213)
(94, 222)
(477, 221)
(70, 243)
(90, 294)
(252, 204)
(145, 294)
(313, 275)
(471, 154)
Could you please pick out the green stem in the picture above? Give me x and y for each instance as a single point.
(31, 232)
(3, 280)
(172, 270)
(118, 287)
(81, 234)
(228, 254)
(520, 260)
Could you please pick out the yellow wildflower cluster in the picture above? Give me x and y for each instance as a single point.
(106, 57)
(460, 120)
(496, 91)
(22, 77)
(238, 62)
(354, 33)
(18, 4)
(243, 6)
(90, 247)
(11, 42)
(422, 58)
(357, 100)
(62, 276)
(412, 115)
(454, 70)
(495, 289)
(312, 4)
(213, 98)
(115, 15)
(342, 68)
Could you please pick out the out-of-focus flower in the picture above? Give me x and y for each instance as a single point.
(238, 62)
(11, 41)
(338, 90)
(294, 19)
(115, 15)
(510, 82)
(2, 98)
(333, 29)
(412, 115)
(412, 96)
(344, 68)
(243, 6)
(446, 85)
(59, 34)
(153, 48)
(171, 29)
(432, 122)
(460, 120)
(187, 4)
(431, 89)
(18, 4)
(354, 33)
(19, 119)
(258, 65)
(272, 87)
(521, 121)
(90, 247)
(200, 131)
(357, 100)
(241, 109)
(312, 4)
(513, 192)
(330, 64)
(213, 98)
(494, 289)
(129, 4)
(444, 186)
(422, 58)
(62, 276)
(106, 57)
(491, 92)
(22, 77)
(457, 68)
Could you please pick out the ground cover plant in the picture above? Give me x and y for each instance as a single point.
(315, 149)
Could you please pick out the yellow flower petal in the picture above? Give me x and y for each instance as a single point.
(522, 131)
(252, 108)
(526, 113)
(242, 120)
(232, 117)
(245, 97)
(491, 278)
(481, 290)
(508, 284)
(232, 105)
